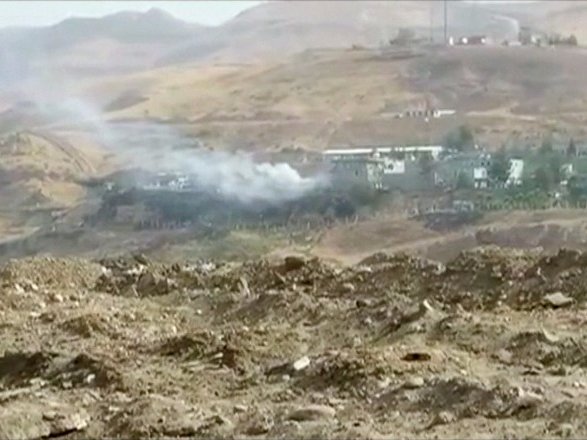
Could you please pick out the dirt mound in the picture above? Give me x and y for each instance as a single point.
(457, 397)
(133, 277)
(89, 325)
(21, 369)
(155, 416)
(541, 348)
(190, 346)
(479, 278)
(298, 347)
(355, 374)
(48, 271)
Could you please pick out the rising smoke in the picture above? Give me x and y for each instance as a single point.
(158, 147)
(152, 146)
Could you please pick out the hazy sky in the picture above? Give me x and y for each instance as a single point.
(40, 13)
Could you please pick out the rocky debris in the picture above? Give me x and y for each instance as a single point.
(414, 382)
(156, 416)
(190, 346)
(558, 299)
(527, 400)
(565, 430)
(293, 263)
(477, 279)
(150, 284)
(289, 368)
(460, 397)
(90, 324)
(16, 368)
(356, 373)
(33, 273)
(259, 423)
(416, 356)
(301, 364)
(141, 259)
(539, 347)
(40, 418)
(258, 349)
(135, 279)
(65, 371)
(312, 413)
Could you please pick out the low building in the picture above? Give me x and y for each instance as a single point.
(404, 151)
(474, 166)
(401, 168)
(383, 168)
(362, 171)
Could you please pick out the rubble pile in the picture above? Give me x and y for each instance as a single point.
(486, 277)
(48, 271)
(392, 346)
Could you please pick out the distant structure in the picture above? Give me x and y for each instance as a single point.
(415, 168)
(473, 40)
(425, 114)
(528, 36)
(516, 172)
(385, 151)
(384, 167)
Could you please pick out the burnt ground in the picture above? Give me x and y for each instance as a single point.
(490, 345)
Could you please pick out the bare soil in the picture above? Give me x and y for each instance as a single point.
(490, 345)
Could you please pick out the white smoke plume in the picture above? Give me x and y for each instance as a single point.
(159, 147)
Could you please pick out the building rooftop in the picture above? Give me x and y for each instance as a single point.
(383, 149)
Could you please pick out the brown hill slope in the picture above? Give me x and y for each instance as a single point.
(346, 97)
(122, 41)
(285, 27)
(131, 40)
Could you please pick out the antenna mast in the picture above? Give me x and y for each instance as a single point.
(445, 22)
(431, 22)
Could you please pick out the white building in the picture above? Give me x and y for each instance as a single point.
(480, 177)
(365, 152)
(516, 172)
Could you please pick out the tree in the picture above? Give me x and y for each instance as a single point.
(572, 40)
(464, 181)
(554, 168)
(499, 170)
(572, 148)
(546, 147)
(426, 162)
(577, 190)
(461, 139)
(543, 179)
(466, 136)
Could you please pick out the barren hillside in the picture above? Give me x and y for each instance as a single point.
(135, 41)
(323, 98)
(278, 28)
(119, 42)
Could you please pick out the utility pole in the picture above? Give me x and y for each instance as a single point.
(431, 22)
(445, 22)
